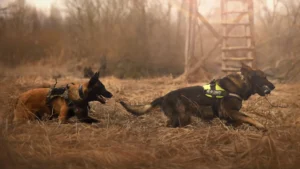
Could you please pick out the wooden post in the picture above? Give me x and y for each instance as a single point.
(187, 38)
(190, 33)
(251, 40)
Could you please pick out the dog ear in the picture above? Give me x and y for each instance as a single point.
(245, 69)
(97, 75)
(94, 79)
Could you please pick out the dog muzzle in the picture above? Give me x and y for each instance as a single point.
(266, 89)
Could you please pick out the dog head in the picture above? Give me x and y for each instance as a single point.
(258, 80)
(94, 90)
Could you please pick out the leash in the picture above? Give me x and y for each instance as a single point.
(55, 83)
(278, 106)
(272, 105)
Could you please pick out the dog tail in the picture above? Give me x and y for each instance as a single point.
(142, 109)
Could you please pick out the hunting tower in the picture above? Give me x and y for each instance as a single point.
(238, 44)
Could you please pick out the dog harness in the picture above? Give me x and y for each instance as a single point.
(214, 90)
(63, 92)
(80, 91)
(57, 92)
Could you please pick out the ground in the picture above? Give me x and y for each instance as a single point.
(124, 141)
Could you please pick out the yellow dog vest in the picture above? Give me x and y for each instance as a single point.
(218, 92)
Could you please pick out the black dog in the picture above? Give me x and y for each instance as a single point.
(224, 96)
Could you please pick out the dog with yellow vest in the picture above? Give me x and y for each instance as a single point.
(224, 96)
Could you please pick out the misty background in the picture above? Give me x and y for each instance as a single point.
(138, 38)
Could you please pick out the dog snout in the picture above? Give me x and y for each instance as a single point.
(272, 87)
(266, 89)
(108, 94)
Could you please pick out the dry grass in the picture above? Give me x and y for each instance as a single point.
(123, 141)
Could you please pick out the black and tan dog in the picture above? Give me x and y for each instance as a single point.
(61, 102)
(224, 96)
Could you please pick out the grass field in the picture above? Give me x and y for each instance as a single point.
(123, 141)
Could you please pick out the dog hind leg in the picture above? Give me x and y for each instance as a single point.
(178, 116)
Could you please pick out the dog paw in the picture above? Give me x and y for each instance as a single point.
(122, 103)
(89, 120)
(62, 122)
(262, 128)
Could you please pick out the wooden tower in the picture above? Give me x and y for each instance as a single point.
(238, 34)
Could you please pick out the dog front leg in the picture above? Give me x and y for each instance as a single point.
(82, 116)
(236, 115)
(63, 114)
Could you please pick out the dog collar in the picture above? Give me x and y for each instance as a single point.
(80, 91)
(235, 95)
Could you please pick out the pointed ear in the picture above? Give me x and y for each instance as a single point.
(94, 79)
(245, 69)
(97, 74)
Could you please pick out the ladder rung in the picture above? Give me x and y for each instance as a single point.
(237, 59)
(231, 69)
(237, 48)
(237, 24)
(237, 37)
(235, 12)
